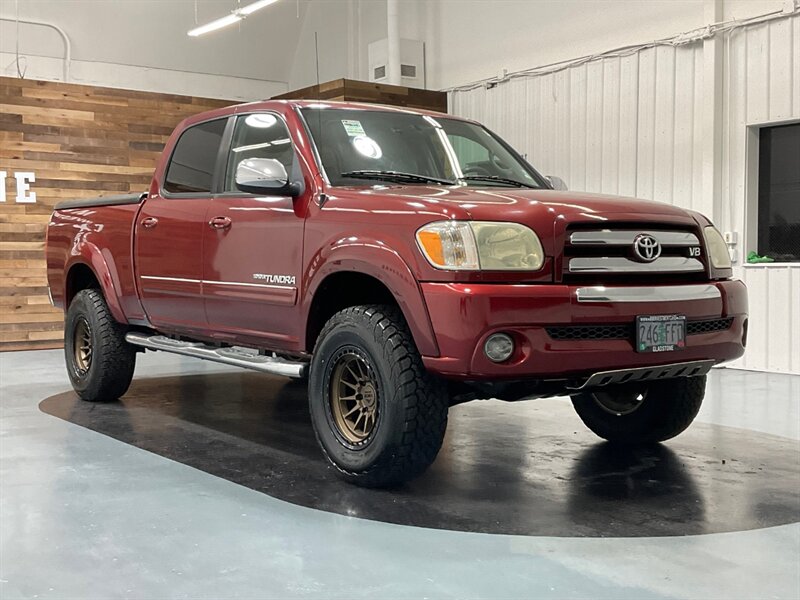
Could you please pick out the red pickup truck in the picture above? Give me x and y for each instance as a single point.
(403, 261)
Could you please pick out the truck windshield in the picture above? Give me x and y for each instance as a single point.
(364, 147)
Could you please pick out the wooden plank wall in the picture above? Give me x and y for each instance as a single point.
(377, 93)
(80, 141)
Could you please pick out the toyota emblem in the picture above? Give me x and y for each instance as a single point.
(646, 247)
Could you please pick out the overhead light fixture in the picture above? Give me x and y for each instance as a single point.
(235, 16)
(214, 25)
(251, 8)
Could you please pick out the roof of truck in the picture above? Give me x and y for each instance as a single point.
(339, 104)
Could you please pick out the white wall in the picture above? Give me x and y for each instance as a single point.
(761, 85)
(345, 29)
(334, 23)
(655, 126)
(607, 126)
(514, 35)
(143, 45)
(476, 39)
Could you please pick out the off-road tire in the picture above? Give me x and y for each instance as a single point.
(113, 359)
(411, 403)
(668, 408)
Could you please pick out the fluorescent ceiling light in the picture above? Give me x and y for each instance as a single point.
(251, 8)
(235, 16)
(214, 25)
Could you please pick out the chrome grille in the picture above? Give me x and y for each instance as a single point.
(610, 237)
(621, 264)
(612, 252)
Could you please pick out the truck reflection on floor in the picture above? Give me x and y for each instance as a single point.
(528, 468)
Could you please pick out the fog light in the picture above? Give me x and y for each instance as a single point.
(498, 347)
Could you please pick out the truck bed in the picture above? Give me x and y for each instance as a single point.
(102, 201)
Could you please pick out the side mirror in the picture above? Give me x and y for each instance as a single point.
(557, 183)
(265, 176)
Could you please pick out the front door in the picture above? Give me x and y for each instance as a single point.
(170, 229)
(252, 250)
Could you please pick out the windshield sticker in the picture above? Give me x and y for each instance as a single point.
(353, 128)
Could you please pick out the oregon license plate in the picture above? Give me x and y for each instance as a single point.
(660, 333)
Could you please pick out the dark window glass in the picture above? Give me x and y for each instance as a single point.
(194, 159)
(363, 140)
(779, 193)
(260, 135)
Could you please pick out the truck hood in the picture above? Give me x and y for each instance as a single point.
(526, 205)
(539, 209)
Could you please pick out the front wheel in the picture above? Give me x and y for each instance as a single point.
(379, 416)
(635, 413)
(100, 362)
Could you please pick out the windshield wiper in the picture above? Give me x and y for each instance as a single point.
(396, 176)
(497, 179)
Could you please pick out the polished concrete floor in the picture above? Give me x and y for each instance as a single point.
(204, 482)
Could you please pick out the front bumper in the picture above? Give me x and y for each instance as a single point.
(464, 315)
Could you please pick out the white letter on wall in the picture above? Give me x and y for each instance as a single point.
(3, 186)
(23, 186)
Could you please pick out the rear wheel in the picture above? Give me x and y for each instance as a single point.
(642, 412)
(100, 362)
(379, 416)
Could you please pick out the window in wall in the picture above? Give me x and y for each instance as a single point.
(779, 193)
(191, 168)
(260, 135)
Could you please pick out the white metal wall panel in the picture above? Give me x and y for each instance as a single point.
(606, 126)
(634, 126)
(762, 72)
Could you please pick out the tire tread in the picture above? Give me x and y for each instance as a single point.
(113, 358)
(423, 395)
(668, 410)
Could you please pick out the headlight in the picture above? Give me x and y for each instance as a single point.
(717, 248)
(480, 245)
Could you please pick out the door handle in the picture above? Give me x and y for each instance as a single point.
(149, 222)
(220, 222)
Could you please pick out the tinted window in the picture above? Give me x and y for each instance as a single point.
(779, 193)
(365, 140)
(260, 135)
(192, 166)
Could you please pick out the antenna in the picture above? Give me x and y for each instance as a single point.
(316, 57)
(322, 196)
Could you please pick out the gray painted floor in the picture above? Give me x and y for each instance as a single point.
(85, 516)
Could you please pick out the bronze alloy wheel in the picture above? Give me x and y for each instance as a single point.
(620, 402)
(354, 397)
(82, 342)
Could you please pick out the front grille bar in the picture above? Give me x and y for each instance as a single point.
(608, 237)
(620, 264)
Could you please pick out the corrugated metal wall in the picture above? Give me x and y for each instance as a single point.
(635, 126)
(762, 85)
(608, 126)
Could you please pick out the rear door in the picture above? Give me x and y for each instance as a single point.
(170, 229)
(252, 253)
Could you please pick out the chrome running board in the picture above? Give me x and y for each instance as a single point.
(686, 369)
(234, 355)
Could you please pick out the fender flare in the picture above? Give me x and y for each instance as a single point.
(91, 256)
(368, 257)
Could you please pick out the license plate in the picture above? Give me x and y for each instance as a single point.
(660, 333)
